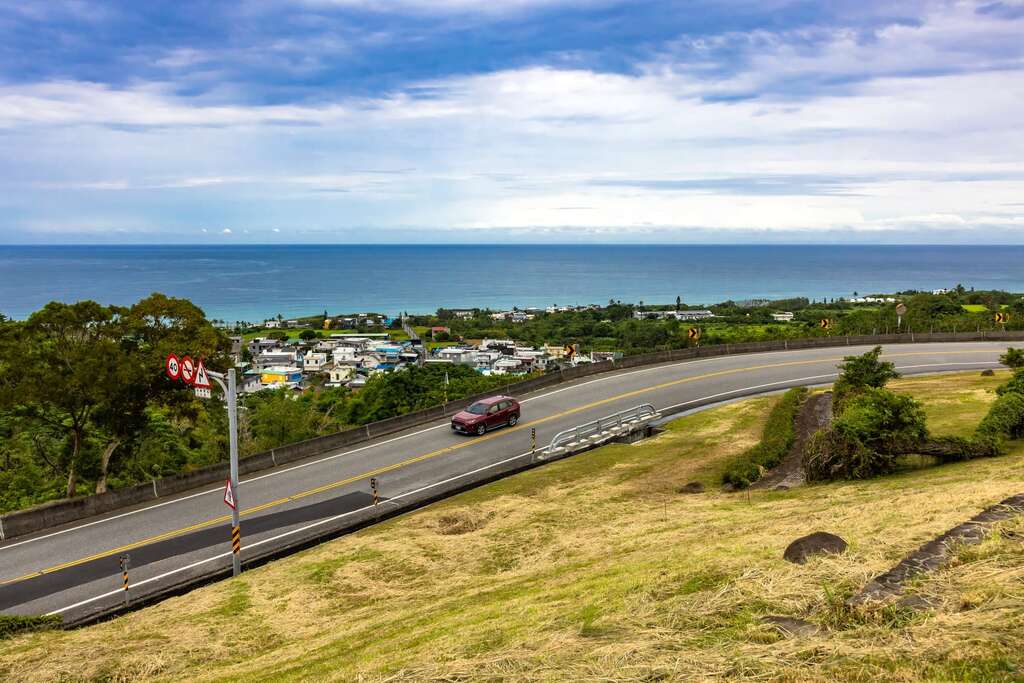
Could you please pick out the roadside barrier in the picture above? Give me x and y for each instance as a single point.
(603, 429)
(56, 513)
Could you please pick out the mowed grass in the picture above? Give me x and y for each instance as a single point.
(595, 569)
(953, 403)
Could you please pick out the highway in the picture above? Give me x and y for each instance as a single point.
(70, 568)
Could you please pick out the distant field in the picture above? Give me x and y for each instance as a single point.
(594, 568)
(979, 308)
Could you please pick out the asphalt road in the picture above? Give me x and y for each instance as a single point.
(70, 567)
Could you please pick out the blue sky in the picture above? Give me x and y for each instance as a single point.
(511, 120)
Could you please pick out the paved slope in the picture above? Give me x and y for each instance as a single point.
(65, 568)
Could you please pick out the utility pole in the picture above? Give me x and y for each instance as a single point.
(198, 377)
(236, 557)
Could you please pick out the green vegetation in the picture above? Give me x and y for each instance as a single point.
(871, 428)
(1013, 358)
(874, 428)
(776, 441)
(613, 328)
(85, 404)
(594, 568)
(11, 625)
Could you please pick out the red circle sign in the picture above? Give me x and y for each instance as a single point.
(173, 367)
(188, 370)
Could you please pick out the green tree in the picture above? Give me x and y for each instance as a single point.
(862, 372)
(307, 335)
(69, 353)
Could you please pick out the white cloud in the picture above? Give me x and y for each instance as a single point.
(226, 231)
(550, 149)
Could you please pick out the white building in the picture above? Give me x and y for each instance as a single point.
(340, 374)
(314, 362)
(269, 324)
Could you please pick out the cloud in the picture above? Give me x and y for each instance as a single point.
(226, 231)
(868, 127)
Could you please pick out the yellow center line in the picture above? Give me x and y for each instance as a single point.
(448, 449)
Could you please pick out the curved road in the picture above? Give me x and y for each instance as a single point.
(73, 567)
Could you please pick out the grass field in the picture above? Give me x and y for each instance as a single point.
(594, 568)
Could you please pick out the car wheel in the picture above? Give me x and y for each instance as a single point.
(512, 420)
(480, 429)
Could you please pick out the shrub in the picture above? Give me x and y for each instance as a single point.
(954, 448)
(1013, 358)
(776, 440)
(830, 454)
(12, 625)
(1005, 420)
(1015, 385)
(883, 421)
(861, 372)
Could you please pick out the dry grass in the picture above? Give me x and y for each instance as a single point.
(593, 569)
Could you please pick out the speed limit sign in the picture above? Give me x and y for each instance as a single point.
(173, 367)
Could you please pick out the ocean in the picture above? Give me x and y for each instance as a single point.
(260, 281)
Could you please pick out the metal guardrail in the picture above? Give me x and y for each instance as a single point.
(602, 429)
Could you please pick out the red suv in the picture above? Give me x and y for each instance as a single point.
(488, 413)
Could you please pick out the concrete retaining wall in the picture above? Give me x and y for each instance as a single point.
(59, 512)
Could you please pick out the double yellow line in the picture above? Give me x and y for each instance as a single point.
(441, 451)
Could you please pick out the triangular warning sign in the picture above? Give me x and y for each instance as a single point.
(202, 377)
(229, 495)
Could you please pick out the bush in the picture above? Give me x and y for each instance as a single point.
(11, 625)
(860, 373)
(830, 455)
(1013, 358)
(1005, 420)
(883, 421)
(955, 448)
(1015, 385)
(776, 440)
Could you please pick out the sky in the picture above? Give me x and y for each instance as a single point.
(510, 121)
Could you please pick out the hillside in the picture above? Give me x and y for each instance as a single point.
(595, 568)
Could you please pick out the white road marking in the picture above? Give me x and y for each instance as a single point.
(327, 520)
(276, 472)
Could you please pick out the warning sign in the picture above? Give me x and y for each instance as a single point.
(229, 494)
(202, 378)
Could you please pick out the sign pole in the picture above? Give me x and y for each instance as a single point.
(236, 560)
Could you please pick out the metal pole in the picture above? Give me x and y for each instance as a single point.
(236, 558)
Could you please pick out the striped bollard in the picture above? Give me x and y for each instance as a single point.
(236, 539)
(125, 560)
(373, 487)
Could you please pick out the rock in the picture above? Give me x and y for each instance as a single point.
(727, 487)
(817, 543)
(988, 373)
(692, 487)
(791, 626)
(781, 487)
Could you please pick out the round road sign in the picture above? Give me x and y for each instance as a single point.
(188, 370)
(173, 367)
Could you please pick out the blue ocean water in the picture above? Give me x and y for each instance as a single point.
(256, 282)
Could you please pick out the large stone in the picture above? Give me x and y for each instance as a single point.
(692, 487)
(818, 543)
